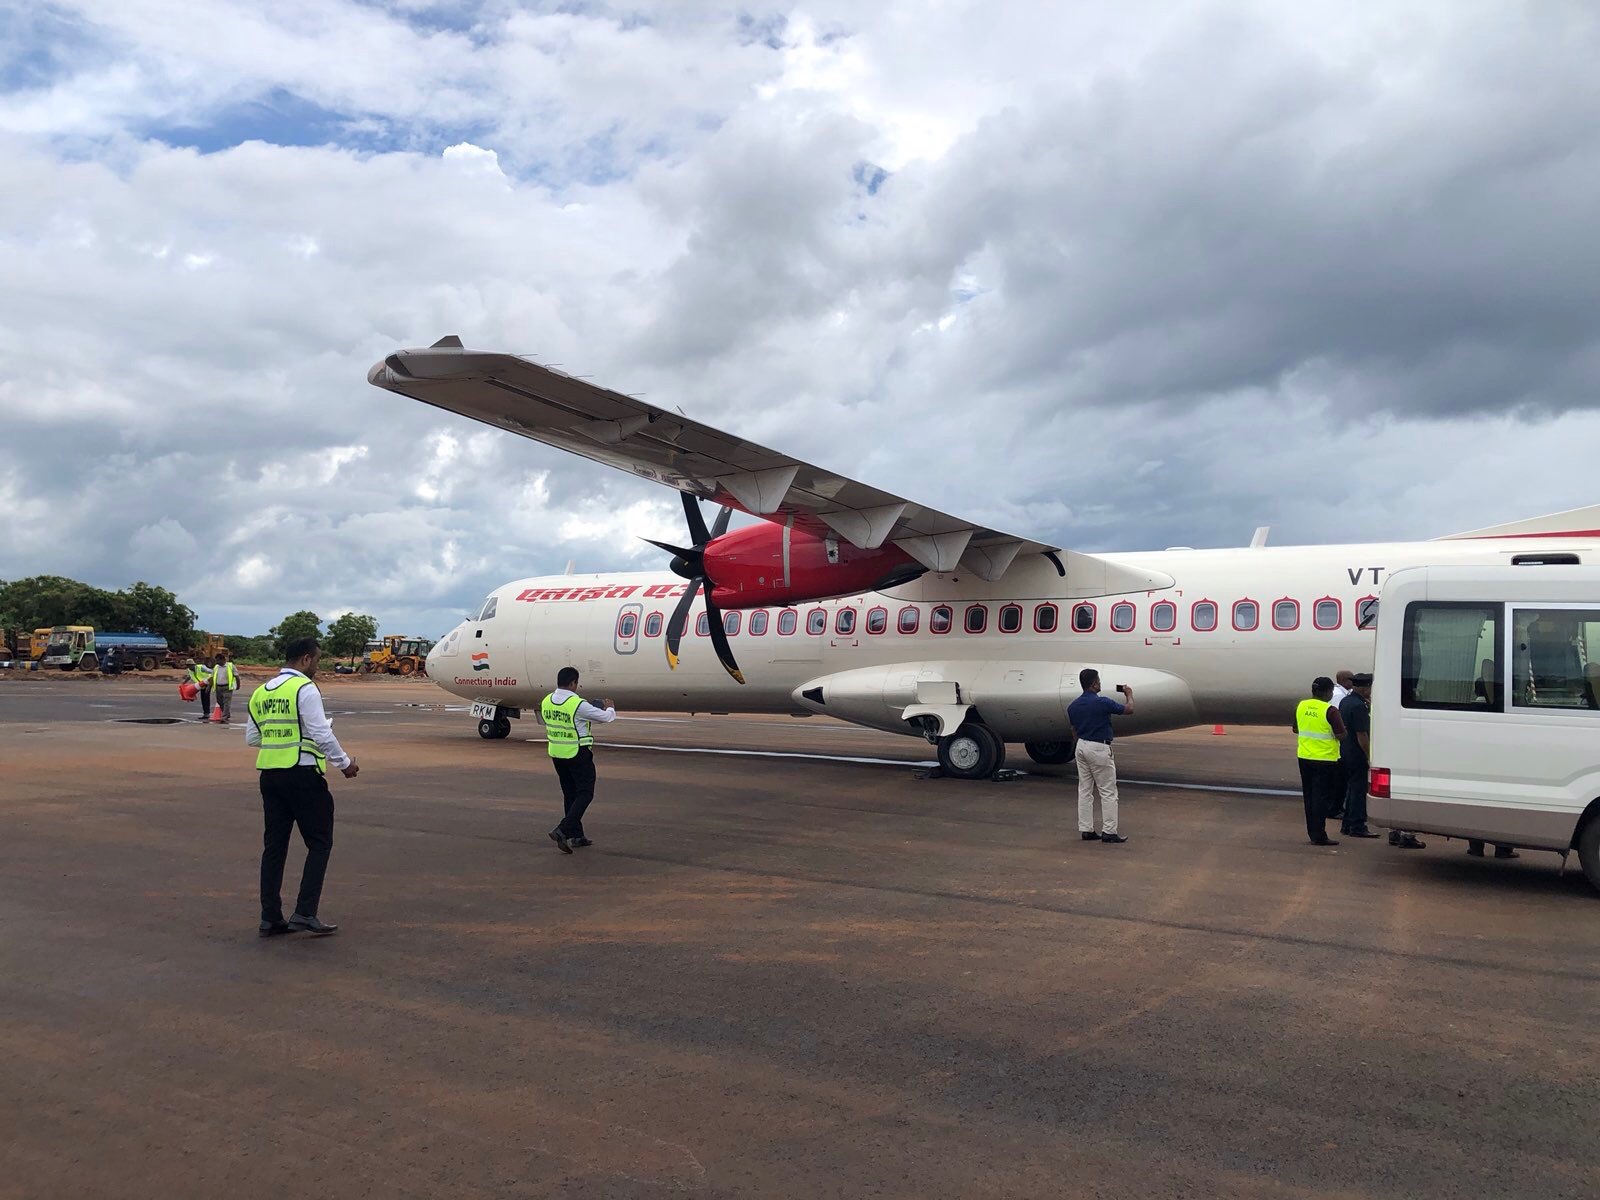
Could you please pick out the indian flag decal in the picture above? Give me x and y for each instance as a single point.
(480, 661)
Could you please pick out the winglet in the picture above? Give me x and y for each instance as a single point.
(448, 342)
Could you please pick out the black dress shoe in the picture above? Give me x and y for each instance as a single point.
(1327, 841)
(1360, 833)
(312, 925)
(1505, 852)
(1475, 849)
(272, 928)
(579, 841)
(560, 839)
(1411, 841)
(1115, 839)
(1091, 836)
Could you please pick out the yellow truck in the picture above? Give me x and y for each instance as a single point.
(396, 655)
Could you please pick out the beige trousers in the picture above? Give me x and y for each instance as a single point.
(1097, 773)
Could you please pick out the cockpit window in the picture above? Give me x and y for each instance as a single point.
(488, 608)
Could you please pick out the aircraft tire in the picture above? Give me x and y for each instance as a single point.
(971, 752)
(486, 730)
(1589, 852)
(502, 727)
(1050, 754)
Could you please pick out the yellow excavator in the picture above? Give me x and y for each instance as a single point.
(396, 655)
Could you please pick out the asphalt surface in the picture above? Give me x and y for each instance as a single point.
(772, 976)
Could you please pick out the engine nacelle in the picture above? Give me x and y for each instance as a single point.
(770, 564)
(1020, 701)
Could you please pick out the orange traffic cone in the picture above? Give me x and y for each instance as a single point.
(216, 714)
(1218, 731)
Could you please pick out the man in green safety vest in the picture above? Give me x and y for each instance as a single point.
(1318, 731)
(295, 744)
(200, 676)
(567, 716)
(225, 679)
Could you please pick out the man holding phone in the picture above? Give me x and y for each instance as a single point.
(1091, 715)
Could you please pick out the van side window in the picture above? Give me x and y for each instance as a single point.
(1449, 657)
(1555, 658)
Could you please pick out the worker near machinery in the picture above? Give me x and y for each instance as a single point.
(1319, 729)
(567, 717)
(1355, 754)
(1090, 715)
(224, 680)
(295, 744)
(200, 676)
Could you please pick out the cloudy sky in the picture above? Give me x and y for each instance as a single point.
(1117, 276)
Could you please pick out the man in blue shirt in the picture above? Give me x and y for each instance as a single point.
(1091, 715)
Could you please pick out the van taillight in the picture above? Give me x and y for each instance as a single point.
(1378, 785)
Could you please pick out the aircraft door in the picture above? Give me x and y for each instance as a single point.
(626, 636)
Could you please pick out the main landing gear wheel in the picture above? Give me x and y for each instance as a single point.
(1049, 754)
(502, 727)
(971, 752)
(495, 729)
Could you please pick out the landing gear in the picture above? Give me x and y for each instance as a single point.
(494, 728)
(1050, 754)
(971, 752)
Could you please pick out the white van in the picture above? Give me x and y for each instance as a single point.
(1486, 705)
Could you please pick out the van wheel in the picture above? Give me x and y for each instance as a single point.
(971, 752)
(486, 730)
(1049, 754)
(1589, 851)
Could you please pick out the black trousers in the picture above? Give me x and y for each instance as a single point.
(1320, 782)
(205, 703)
(294, 796)
(577, 790)
(1355, 796)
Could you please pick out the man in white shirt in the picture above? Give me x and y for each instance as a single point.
(567, 717)
(1343, 684)
(295, 742)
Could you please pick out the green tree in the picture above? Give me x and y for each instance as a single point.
(155, 610)
(295, 625)
(348, 635)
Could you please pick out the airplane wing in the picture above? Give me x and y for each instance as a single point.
(621, 431)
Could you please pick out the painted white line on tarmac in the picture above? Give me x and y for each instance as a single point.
(908, 762)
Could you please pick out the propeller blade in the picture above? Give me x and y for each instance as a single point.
(719, 639)
(697, 522)
(680, 551)
(720, 525)
(679, 623)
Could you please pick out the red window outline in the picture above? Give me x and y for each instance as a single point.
(821, 629)
(1094, 617)
(702, 626)
(877, 610)
(949, 615)
(916, 620)
(1055, 623)
(1286, 600)
(794, 624)
(839, 622)
(660, 623)
(1133, 621)
(1338, 607)
(1233, 614)
(966, 619)
(1000, 618)
(1216, 616)
(1172, 608)
(730, 622)
(622, 618)
(759, 618)
(1356, 613)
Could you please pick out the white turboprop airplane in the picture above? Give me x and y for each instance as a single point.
(858, 604)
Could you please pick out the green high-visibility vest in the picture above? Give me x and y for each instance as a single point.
(275, 708)
(201, 676)
(561, 726)
(1315, 731)
(225, 676)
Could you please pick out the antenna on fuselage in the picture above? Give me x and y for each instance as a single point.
(1260, 538)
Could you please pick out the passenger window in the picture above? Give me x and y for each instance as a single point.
(1367, 612)
(941, 618)
(1246, 615)
(1011, 618)
(488, 608)
(1328, 614)
(1555, 658)
(1122, 616)
(1083, 618)
(730, 623)
(976, 619)
(1203, 616)
(758, 622)
(1449, 657)
(909, 619)
(702, 626)
(1163, 616)
(788, 621)
(628, 625)
(652, 625)
(1045, 618)
(1286, 615)
(844, 622)
(816, 622)
(877, 620)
